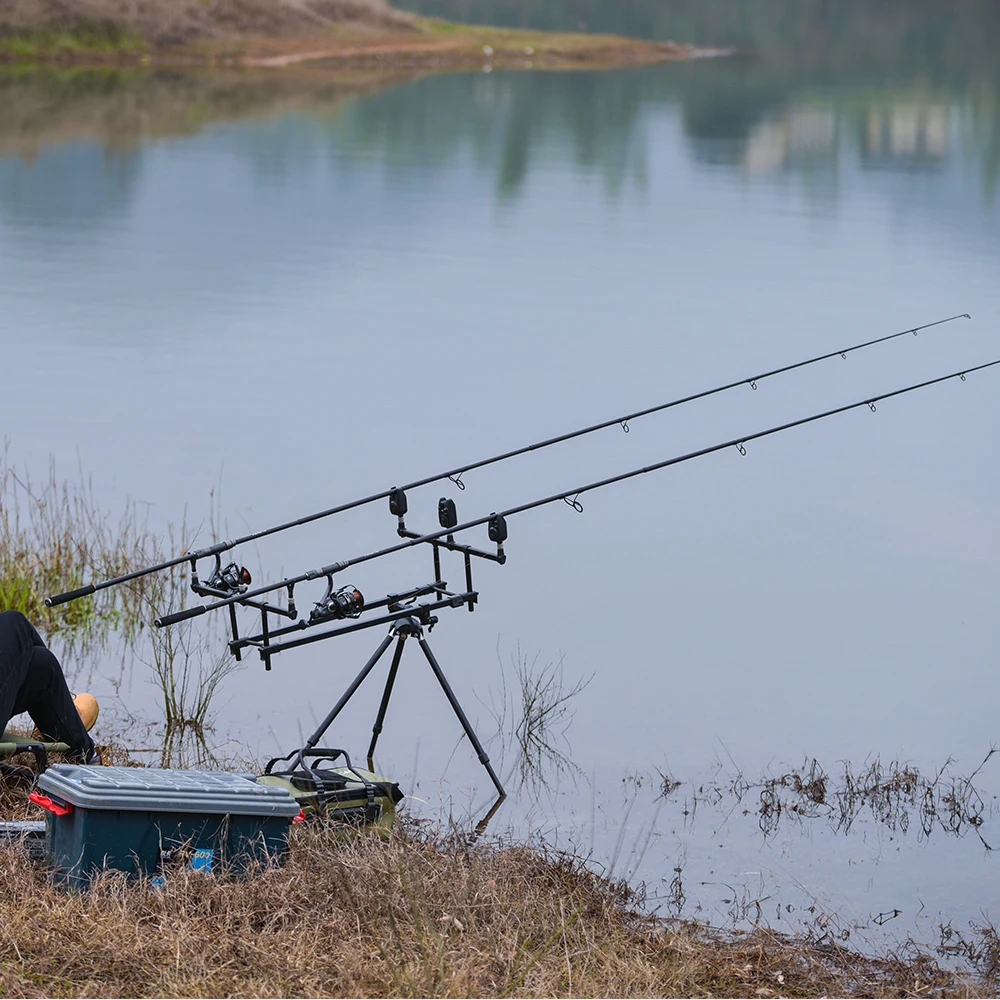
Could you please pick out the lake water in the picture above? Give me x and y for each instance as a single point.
(294, 290)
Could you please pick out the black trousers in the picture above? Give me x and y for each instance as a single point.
(32, 681)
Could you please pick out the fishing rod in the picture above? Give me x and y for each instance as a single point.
(497, 521)
(234, 577)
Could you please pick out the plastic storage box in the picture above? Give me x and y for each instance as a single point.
(145, 821)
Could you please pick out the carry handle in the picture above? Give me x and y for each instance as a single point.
(59, 808)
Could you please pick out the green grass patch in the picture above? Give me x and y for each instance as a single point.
(93, 39)
(434, 26)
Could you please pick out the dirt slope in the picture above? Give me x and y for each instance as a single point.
(179, 22)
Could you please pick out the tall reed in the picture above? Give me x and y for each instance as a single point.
(55, 536)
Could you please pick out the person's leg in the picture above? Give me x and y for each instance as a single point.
(46, 698)
(17, 643)
(32, 681)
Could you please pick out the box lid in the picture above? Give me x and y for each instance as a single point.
(153, 789)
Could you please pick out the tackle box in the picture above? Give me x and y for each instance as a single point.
(145, 821)
(342, 795)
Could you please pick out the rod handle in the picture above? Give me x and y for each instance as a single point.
(179, 616)
(70, 595)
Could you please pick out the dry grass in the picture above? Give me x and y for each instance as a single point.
(412, 914)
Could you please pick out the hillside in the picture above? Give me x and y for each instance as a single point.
(180, 22)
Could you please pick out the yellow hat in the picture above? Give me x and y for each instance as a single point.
(86, 705)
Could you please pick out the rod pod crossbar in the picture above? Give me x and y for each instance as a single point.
(570, 496)
(392, 602)
(455, 474)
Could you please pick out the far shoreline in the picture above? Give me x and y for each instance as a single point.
(431, 45)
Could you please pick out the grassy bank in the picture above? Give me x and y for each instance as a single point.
(423, 910)
(278, 33)
(415, 914)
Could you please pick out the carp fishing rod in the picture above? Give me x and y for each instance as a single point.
(231, 578)
(351, 603)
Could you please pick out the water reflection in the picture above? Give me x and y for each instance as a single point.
(123, 108)
(921, 56)
(735, 114)
(887, 795)
(77, 184)
(734, 842)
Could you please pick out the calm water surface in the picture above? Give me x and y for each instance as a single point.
(304, 292)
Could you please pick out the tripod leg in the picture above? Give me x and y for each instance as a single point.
(386, 694)
(349, 693)
(466, 725)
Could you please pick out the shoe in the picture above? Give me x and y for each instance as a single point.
(88, 709)
(89, 758)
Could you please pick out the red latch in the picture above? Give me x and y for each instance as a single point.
(301, 818)
(59, 808)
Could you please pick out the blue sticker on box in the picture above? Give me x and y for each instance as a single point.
(202, 860)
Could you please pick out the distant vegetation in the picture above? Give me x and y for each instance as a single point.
(845, 31)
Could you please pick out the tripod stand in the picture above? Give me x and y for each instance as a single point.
(401, 630)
